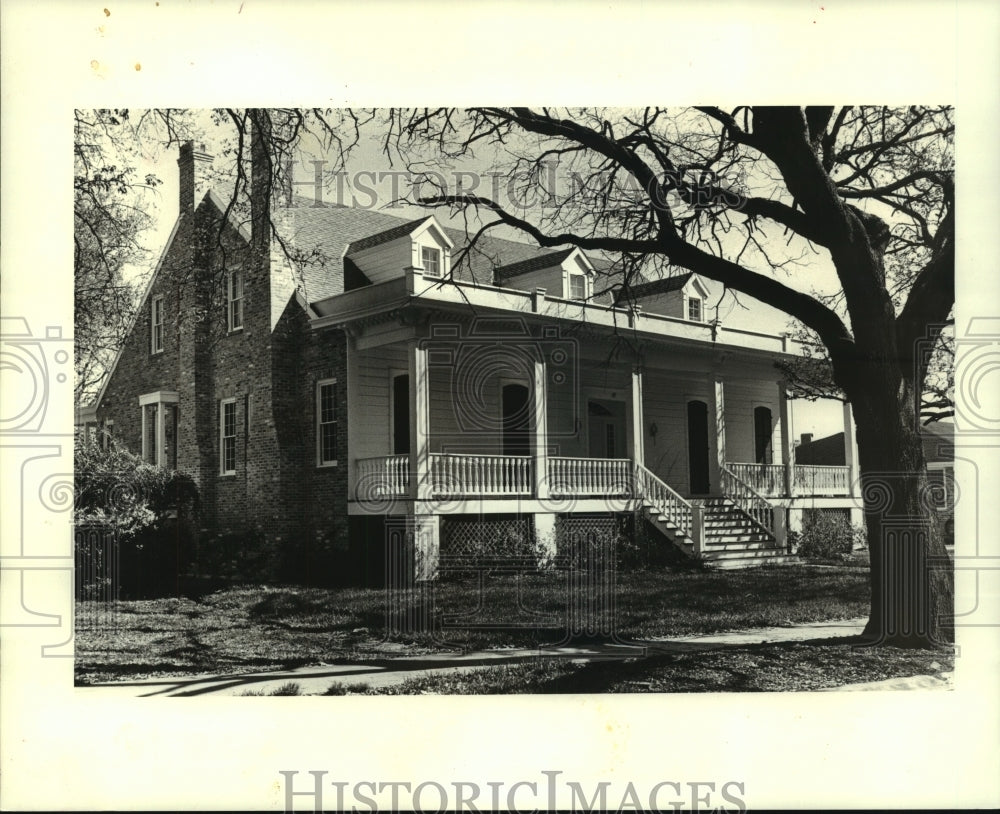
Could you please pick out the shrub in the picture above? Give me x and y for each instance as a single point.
(829, 536)
(133, 523)
(584, 542)
(116, 488)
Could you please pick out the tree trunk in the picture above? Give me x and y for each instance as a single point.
(912, 602)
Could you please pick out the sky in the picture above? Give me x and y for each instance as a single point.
(371, 182)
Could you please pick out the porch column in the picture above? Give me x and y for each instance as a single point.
(637, 424)
(420, 485)
(787, 451)
(541, 448)
(161, 434)
(144, 441)
(716, 432)
(849, 446)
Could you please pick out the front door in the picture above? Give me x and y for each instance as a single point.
(516, 420)
(606, 422)
(698, 452)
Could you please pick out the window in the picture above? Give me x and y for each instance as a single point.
(108, 435)
(431, 259)
(326, 422)
(577, 287)
(694, 309)
(227, 437)
(156, 324)
(234, 298)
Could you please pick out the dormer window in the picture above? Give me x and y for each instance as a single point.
(431, 261)
(234, 300)
(577, 286)
(694, 309)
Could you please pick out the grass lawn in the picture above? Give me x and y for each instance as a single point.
(254, 628)
(793, 666)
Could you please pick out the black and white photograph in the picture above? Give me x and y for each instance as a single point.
(640, 451)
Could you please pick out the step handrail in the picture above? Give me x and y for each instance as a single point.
(748, 500)
(678, 511)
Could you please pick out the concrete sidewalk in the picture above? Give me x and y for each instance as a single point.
(388, 670)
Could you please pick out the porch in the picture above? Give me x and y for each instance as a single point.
(460, 413)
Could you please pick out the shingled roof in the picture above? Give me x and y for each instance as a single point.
(384, 237)
(327, 233)
(541, 261)
(654, 287)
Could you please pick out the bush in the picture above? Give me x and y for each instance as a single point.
(829, 536)
(116, 488)
(133, 523)
(597, 543)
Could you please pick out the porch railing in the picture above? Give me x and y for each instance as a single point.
(481, 474)
(822, 480)
(765, 479)
(677, 510)
(769, 479)
(385, 476)
(747, 499)
(589, 476)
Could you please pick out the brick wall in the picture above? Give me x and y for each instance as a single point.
(277, 493)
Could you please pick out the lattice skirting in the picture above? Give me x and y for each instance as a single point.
(496, 538)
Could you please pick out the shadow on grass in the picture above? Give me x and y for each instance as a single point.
(593, 665)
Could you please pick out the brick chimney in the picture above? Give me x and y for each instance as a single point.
(807, 437)
(192, 166)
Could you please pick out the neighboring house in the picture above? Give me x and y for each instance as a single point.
(939, 453)
(387, 391)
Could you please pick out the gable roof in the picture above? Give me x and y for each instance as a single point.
(541, 261)
(653, 287)
(387, 236)
(328, 233)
